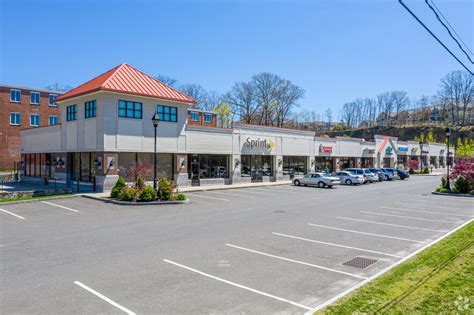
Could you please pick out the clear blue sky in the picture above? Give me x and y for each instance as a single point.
(335, 50)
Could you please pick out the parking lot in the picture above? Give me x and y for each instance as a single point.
(275, 249)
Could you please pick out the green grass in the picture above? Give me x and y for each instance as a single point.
(33, 198)
(439, 280)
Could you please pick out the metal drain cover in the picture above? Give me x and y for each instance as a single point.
(360, 262)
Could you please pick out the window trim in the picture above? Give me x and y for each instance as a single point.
(39, 120)
(68, 117)
(54, 104)
(19, 119)
(14, 101)
(39, 97)
(191, 114)
(167, 111)
(57, 120)
(90, 112)
(208, 115)
(134, 111)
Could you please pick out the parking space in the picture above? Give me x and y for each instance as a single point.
(274, 249)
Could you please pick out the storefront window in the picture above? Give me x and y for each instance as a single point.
(347, 162)
(256, 165)
(207, 166)
(323, 164)
(294, 165)
(366, 162)
(164, 164)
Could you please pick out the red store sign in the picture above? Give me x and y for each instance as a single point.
(324, 149)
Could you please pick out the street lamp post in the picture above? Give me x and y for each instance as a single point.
(155, 121)
(448, 133)
(421, 156)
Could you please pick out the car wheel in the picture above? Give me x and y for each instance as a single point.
(330, 186)
(386, 177)
(348, 182)
(297, 183)
(321, 185)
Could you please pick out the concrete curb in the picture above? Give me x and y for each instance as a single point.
(130, 203)
(38, 199)
(452, 194)
(250, 185)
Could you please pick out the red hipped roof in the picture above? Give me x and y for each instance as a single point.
(128, 80)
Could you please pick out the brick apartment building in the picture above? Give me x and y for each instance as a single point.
(23, 108)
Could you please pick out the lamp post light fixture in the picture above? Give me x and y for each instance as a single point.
(421, 156)
(156, 120)
(448, 134)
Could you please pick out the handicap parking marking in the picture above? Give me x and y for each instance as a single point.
(207, 197)
(59, 206)
(229, 193)
(297, 261)
(239, 285)
(13, 214)
(103, 297)
(391, 224)
(366, 233)
(337, 245)
(425, 205)
(431, 212)
(407, 217)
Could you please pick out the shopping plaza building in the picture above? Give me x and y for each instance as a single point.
(106, 127)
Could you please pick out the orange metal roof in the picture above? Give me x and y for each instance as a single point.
(128, 80)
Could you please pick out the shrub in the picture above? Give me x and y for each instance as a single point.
(140, 183)
(118, 187)
(180, 197)
(441, 190)
(411, 171)
(425, 170)
(128, 193)
(471, 192)
(165, 189)
(141, 169)
(464, 168)
(443, 182)
(462, 185)
(147, 194)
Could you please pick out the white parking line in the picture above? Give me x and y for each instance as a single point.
(425, 205)
(251, 191)
(405, 217)
(229, 193)
(433, 212)
(239, 285)
(337, 245)
(11, 213)
(390, 224)
(365, 233)
(207, 197)
(297, 261)
(103, 297)
(59, 206)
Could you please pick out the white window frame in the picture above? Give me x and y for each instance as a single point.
(54, 104)
(51, 116)
(39, 98)
(14, 101)
(191, 116)
(39, 120)
(208, 115)
(19, 120)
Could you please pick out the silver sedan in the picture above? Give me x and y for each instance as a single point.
(317, 179)
(349, 178)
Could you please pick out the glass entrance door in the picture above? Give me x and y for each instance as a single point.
(257, 167)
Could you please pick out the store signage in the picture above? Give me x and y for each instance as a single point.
(425, 152)
(389, 151)
(402, 149)
(258, 143)
(369, 151)
(325, 149)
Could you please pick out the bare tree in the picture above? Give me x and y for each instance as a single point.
(243, 101)
(167, 80)
(457, 93)
(400, 102)
(211, 100)
(195, 91)
(328, 115)
(58, 87)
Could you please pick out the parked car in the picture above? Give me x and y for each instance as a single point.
(402, 174)
(349, 178)
(380, 174)
(368, 176)
(317, 179)
(390, 173)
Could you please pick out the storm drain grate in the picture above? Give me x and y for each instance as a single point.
(360, 262)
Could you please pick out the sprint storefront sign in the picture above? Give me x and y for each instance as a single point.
(258, 145)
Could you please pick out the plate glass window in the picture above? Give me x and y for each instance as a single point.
(15, 119)
(71, 112)
(194, 116)
(129, 109)
(207, 118)
(90, 109)
(53, 120)
(15, 96)
(52, 98)
(35, 98)
(34, 120)
(167, 113)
